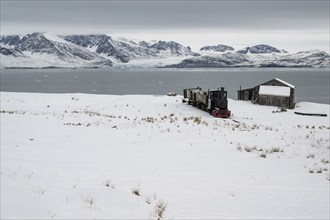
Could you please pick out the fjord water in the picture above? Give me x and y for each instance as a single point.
(311, 84)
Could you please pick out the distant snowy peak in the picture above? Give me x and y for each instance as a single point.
(260, 49)
(101, 44)
(163, 46)
(10, 40)
(257, 49)
(217, 48)
(47, 43)
(127, 49)
(54, 50)
(172, 48)
(37, 43)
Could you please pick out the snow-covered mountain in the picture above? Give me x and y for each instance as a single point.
(50, 50)
(83, 50)
(125, 50)
(108, 47)
(217, 48)
(259, 49)
(221, 60)
(312, 58)
(39, 50)
(10, 40)
(258, 56)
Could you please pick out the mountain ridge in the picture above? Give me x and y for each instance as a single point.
(101, 50)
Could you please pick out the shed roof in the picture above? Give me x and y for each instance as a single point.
(285, 83)
(274, 90)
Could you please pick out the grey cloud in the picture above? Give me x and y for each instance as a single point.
(167, 14)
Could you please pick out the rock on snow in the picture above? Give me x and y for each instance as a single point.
(77, 156)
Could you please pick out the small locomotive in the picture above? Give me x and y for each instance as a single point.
(213, 101)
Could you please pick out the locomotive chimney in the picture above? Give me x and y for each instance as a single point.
(222, 91)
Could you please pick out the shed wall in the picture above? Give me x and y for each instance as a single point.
(278, 101)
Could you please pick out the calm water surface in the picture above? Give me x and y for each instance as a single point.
(311, 84)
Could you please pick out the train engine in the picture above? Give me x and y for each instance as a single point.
(213, 101)
(219, 103)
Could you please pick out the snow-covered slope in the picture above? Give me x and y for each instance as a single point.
(12, 58)
(126, 157)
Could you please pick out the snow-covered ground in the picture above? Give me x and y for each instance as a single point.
(78, 156)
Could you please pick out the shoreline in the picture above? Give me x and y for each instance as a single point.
(155, 95)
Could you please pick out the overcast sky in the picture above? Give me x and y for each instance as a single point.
(292, 25)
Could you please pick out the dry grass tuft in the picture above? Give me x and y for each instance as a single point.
(136, 191)
(90, 201)
(108, 183)
(197, 120)
(324, 161)
(311, 156)
(160, 209)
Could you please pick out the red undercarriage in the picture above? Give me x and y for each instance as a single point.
(221, 113)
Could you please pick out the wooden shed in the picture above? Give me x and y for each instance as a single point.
(275, 92)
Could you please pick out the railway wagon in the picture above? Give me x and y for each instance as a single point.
(189, 95)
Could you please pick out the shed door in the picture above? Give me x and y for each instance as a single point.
(246, 95)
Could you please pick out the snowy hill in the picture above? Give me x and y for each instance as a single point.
(147, 157)
(10, 57)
